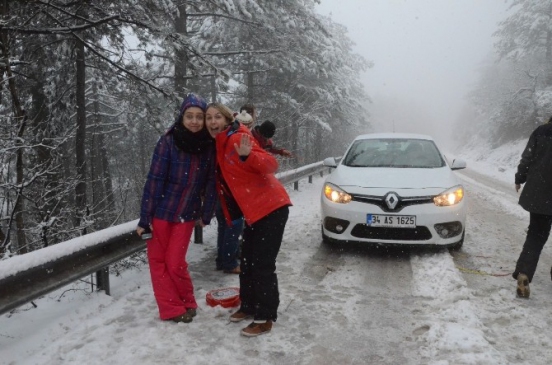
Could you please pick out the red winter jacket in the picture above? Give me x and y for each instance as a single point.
(251, 182)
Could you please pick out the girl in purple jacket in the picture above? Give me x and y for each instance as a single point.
(182, 172)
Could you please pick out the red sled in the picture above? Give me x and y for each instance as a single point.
(225, 297)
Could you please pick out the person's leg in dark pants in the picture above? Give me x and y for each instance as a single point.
(258, 280)
(221, 226)
(537, 235)
(247, 295)
(230, 245)
(228, 241)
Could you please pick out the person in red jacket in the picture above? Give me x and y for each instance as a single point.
(263, 134)
(247, 173)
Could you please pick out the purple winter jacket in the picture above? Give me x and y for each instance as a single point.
(176, 183)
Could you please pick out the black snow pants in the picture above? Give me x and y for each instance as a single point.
(537, 235)
(258, 281)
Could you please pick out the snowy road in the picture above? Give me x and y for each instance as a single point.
(339, 305)
(517, 328)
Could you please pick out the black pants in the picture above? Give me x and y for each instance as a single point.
(258, 281)
(537, 235)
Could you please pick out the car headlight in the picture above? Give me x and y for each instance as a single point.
(335, 194)
(450, 197)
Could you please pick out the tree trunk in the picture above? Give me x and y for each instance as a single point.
(180, 54)
(214, 88)
(106, 179)
(42, 135)
(295, 135)
(249, 83)
(39, 119)
(20, 120)
(105, 204)
(80, 139)
(318, 144)
(549, 58)
(19, 206)
(98, 202)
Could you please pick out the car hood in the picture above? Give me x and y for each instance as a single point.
(377, 180)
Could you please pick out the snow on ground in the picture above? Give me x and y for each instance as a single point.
(499, 163)
(496, 226)
(459, 318)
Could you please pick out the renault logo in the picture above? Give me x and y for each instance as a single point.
(391, 199)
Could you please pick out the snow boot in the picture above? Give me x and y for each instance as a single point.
(523, 290)
(257, 328)
(185, 317)
(240, 316)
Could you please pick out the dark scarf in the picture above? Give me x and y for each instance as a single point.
(190, 142)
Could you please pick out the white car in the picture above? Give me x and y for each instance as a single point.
(394, 189)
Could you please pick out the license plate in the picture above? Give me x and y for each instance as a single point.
(396, 221)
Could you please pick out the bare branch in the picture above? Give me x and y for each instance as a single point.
(227, 17)
(122, 69)
(230, 53)
(62, 30)
(48, 3)
(233, 73)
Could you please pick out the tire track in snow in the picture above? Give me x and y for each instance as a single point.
(452, 331)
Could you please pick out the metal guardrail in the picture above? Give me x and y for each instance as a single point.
(48, 275)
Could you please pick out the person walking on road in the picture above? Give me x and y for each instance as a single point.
(535, 171)
(179, 190)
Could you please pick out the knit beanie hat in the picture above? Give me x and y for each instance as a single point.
(244, 118)
(267, 129)
(193, 100)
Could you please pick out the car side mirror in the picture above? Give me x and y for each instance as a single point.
(329, 162)
(458, 164)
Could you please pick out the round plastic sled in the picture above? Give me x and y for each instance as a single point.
(225, 297)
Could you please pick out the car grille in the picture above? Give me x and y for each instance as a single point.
(403, 202)
(420, 233)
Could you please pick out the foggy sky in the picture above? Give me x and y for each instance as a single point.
(426, 54)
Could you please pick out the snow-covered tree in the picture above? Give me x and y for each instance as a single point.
(525, 45)
(88, 86)
(296, 67)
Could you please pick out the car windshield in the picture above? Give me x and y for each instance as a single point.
(417, 153)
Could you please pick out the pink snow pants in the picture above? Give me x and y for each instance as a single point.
(171, 281)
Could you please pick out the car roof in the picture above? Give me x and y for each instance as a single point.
(393, 136)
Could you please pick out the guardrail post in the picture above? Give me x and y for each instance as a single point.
(198, 233)
(322, 173)
(296, 185)
(102, 280)
(310, 179)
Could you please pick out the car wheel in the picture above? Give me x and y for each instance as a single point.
(458, 245)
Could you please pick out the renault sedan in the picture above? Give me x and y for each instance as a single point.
(394, 189)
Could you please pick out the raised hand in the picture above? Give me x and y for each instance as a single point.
(244, 149)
